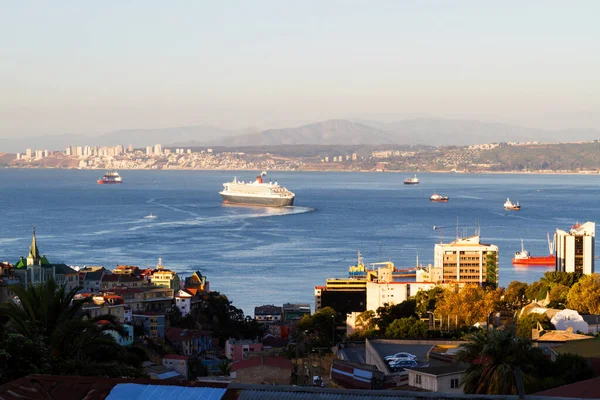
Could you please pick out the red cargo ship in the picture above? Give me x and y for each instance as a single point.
(524, 258)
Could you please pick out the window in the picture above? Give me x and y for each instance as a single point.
(454, 383)
(418, 379)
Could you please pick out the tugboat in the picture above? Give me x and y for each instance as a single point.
(436, 198)
(150, 216)
(524, 258)
(510, 206)
(412, 181)
(110, 178)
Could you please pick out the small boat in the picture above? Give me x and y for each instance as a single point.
(510, 206)
(110, 178)
(436, 198)
(412, 181)
(524, 258)
(150, 216)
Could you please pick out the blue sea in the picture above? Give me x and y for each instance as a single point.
(270, 256)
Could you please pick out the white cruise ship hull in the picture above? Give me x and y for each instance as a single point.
(250, 200)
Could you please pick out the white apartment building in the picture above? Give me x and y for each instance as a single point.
(575, 249)
(463, 261)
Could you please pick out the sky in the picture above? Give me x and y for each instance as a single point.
(92, 67)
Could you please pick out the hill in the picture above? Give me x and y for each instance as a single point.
(456, 132)
(330, 132)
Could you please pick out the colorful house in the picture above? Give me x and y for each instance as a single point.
(189, 342)
(164, 277)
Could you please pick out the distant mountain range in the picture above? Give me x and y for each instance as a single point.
(426, 131)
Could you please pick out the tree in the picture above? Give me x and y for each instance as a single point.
(48, 317)
(365, 324)
(389, 313)
(495, 360)
(491, 269)
(562, 278)
(514, 295)
(570, 368)
(426, 300)
(584, 296)
(537, 291)
(407, 328)
(481, 302)
(318, 329)
(558, 295)
(530, 321)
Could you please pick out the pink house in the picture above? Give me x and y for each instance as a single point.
(238, 350)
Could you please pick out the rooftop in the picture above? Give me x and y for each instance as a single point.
(440, 370)
(275, 361)
(587, 389)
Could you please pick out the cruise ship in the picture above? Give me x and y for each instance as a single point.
(109, 178)
(256, 193)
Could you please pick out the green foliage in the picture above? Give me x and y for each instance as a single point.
(528, 322)
(365, 325)
(570, 368)
(57, 332)
(217, 314)
(563, 278)
(514, 295)
(389, 313)
(224, 368)
(493, 359)
(407, 328)
(318, 329)
(584, 296)
(558, 296)
(491, 269)
(426, 300)
(537, 291)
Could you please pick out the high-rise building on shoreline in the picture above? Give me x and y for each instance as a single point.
(575, 249)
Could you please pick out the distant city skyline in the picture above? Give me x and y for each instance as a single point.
(93, 68)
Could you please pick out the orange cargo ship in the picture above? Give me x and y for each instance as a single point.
(524, 258)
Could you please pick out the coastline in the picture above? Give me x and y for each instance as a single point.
(482, 172)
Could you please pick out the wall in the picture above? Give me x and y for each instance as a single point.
(262, 374)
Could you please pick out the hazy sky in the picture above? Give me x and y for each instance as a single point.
(91, 67)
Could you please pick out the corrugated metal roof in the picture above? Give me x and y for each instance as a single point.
(134, 391)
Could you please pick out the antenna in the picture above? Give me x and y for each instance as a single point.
(456, 227)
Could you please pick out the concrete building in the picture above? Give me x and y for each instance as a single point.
(272, 370)
(189, 342)
(575, 249)
(165, 277)
(183, 301)
(387, 289)
(147, 298)
(464, 260)
(177, 363)
(148, 150)
(158, 149)
(268, 314)
(444, 379)
(295, 312)
(153, 323)
(238, 350)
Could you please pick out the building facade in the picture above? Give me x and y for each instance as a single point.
(464, 260)
(575, 249)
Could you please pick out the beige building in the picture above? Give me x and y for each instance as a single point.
(444, 378)
(386, 289)
(164, 277)
(463, 261)
(575, 249)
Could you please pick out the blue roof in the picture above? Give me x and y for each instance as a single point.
(134, 391)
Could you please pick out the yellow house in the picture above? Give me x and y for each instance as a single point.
(164, 277)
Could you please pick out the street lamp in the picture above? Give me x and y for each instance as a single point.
(441, 229)
(433, 316)
(332, 330)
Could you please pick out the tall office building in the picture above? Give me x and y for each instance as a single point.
(575, 249)
(158, 149)
(28, 153)
(464, 260)
(148, 150)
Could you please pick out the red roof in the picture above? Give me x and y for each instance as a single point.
(588, 389)
(179, 334)
(271, 361)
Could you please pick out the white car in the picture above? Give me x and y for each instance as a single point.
(401, 355)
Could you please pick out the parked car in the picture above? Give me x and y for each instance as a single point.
(401, 355)
(400, 365)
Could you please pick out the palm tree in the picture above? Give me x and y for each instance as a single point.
(500, 362)
(50, 315)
